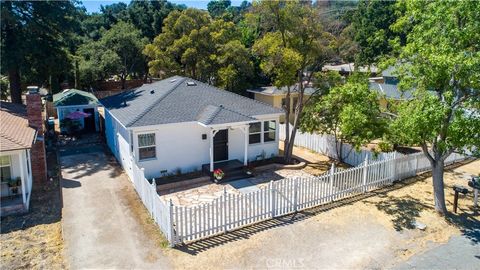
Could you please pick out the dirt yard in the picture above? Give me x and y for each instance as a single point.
(34, 240)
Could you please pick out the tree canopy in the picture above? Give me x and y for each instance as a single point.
(195, 45)
(372, 21)
(288, 47)
(117, 52)
(34, 42)
(350, 112)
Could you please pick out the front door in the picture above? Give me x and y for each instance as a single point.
(220, 145)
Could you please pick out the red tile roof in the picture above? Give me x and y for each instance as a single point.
(15, 133)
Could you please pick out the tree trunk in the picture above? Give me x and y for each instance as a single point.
(15, 85)
(438, 186)
(123, 79)
(77, 74)
(339, 149)
(286, 142)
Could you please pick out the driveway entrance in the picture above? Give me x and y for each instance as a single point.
(100, 226)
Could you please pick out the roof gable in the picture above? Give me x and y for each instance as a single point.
(71, 97)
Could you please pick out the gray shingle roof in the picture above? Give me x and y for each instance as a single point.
(173, 101)
(391, 91)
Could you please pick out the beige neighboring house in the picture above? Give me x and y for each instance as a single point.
(348, 68)
(276, 97)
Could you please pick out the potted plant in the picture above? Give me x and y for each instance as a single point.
(13, 184)
(218, 175)
(249, 169)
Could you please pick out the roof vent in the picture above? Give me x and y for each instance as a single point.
(152, 91)
(173, 80)
(191, 84)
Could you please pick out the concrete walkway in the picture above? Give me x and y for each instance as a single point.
(100, 228)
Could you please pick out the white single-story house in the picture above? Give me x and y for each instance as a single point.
(72, 100)
(180, 124)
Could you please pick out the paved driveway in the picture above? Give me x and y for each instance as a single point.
(100, 228)
(459, 252)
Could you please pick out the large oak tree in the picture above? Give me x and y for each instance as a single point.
(441, 60)
(292, 46)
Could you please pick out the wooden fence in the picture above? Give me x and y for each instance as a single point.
(182, 224)
(325, 144)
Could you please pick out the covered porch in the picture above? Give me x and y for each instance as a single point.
(224, 150)
(16, 181)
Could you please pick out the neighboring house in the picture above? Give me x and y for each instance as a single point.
(348, 68)
(72, 100)
(276, 97)
(387, 88)
(179, 124)
(22, 152)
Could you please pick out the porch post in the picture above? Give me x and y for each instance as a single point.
(22, 175)
(211, 149)
(245, 154)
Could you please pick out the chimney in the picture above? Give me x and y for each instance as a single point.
(35, 120)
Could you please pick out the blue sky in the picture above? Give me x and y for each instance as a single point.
(94, 6)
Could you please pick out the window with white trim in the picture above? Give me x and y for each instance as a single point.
(255, 133)
(269, 128)
(5, 168)
(295, 101)
(146, 146)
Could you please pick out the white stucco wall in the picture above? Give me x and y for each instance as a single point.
(180, 146)
(18, 162)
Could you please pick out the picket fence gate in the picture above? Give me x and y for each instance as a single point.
(183, 224)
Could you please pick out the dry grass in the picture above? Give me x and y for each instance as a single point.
(390, 212)
(34, 240)
(141, 214)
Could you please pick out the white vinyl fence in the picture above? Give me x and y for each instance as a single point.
(325, 144)
(182, 224)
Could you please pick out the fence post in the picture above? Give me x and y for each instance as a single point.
(332, 171)
(225, 209)
(295, 194)
(171, 237)
(365, 172)
(416, 164)
(154, 193)
(272, 196)
(394, 165)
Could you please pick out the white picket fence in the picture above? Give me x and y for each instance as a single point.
(160, 210)
(182, 224)
(325, 144)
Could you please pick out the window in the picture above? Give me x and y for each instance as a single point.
(284, 103)
(146, 146)
(5, 171)
(269, 128)
(295, 101)
(255, 132)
